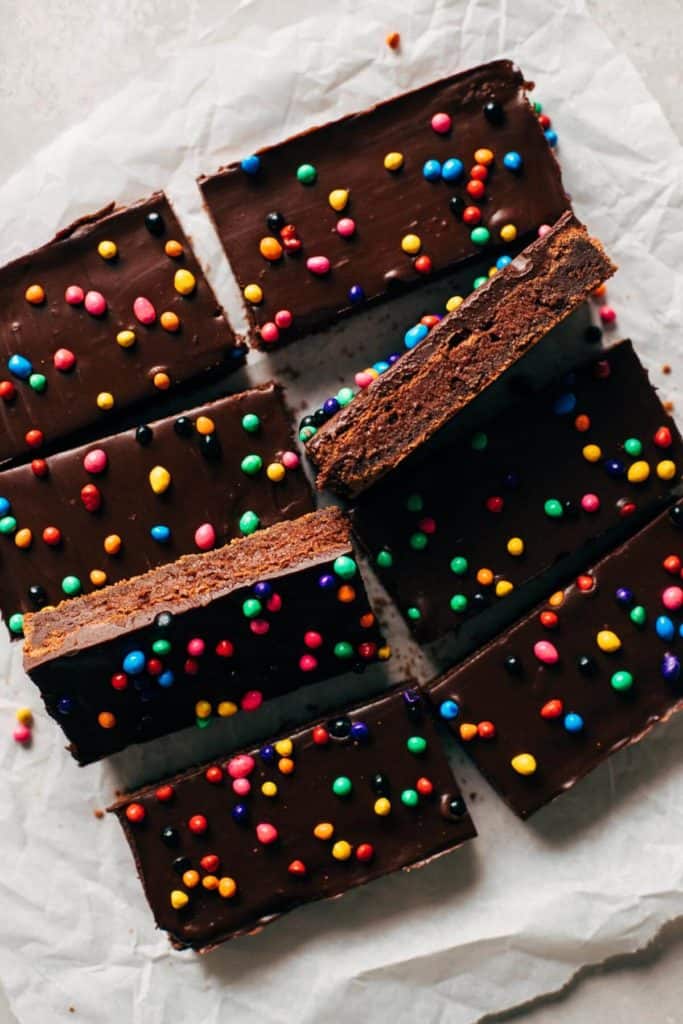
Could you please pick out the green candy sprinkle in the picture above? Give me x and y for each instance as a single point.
(71, 585)
(251, 464)
(414, 614)
(249, 523)
(638, 615)
(458, 603)
(306, 174)
(416, 744)
(345, 567)
(480, 236)
(385, 559)
(459, 565)
(16, 623)
(251, 607)
(342, 786)
(479, 281)
(38, 381)
(633, 447)
(538, 108)
(251, 422)
(344, 396)
(203, 723)
(8, 524)
(479, 441)
(161, 646)
(419, 541)
(409, 797)
(622, 680)
(414, 503)
(306, 433)
(553, 508)
(343, 649)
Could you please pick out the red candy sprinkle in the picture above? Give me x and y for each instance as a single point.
(307, 663)
(119, 680)
(424, 786)
(198, 824)
(321, 736)
(423, 264)
(585, 583)
(210, 863)
(191, 667)
(552, 709)
(297, 867)
(367, 651)
(52, 536)
(154, 667)
(663, 438)
(274, 603)
(471, 215)
(291, 244)
(607, 314)
(475, 188)
(479, 172)
(224, 649)
(429, 320)
(164, 794)
(91, 497)
(495, 504)
(252, 700)
(214, 774)
(7, 390)
(196, 647)
(135, 813)
(365, 852)
(486, 730)
(427, 525)
(283, 319)
(266, 833)
(625, 508)
(64, 360)
(33, 438)
(602, 370)
(672, 564)
(259, 627)
(74, 295)
(313, 639)
(548, 620)
(39, 467)
(270, 333)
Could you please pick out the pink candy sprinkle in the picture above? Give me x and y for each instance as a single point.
(427, 525)
(283, 319)
(242, 787)
(241, 766)
(274, 603)
(312, 639)
(607, 314)
(672, 598)
(290, 460)
(318, 265)
(64, 360)
(590, 503)
(144, 311)
(196, 647)
(259, 627)
(442, 123)
(346, 227)
(270, 333)
(363, 379)
(266, 833)
(22, 734)
(95, 461)
(546, 652)
(205, 537)
(74, 295)
(307, 663)
(251, 700)
(95, 303)
(544, 230)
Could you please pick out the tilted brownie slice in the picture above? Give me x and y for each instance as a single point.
(225, 848)
(460, 357)
(590, 672)
(591, 453)
(115, 310)
(379, 201)
(91, 516)
(207, 635)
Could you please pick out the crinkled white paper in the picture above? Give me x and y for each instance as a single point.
(518, 911)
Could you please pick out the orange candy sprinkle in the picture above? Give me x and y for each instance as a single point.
(170, 321)
(485, 577)
(173, 249)
(35, 294)
(106, 719)
(582, 423)
(161, 380)
(346, 594)
(270, 248)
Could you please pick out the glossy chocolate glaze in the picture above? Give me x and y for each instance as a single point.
(204, 342)
(406, 837)
(75, 653)
(208, 486)
(349, 154)
(486, 690)
(527, 454)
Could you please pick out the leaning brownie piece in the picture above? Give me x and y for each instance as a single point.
(592, 671)
(113, 311)
(224, 849)
(460, 357)
(84, 518)
(490, 512)
(351, 212)
(204, 636)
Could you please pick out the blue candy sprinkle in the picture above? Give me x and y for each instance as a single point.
(512, 161)
(449, 710)
(624, 595)
(20, 367)
(331, 406)
(356, 293)
(166, 679)
(670, 667)
(565, 404)
(665, 628)
(511, 480)
(573, 722)
(551, 137)
(360, 732)
(680, 630)
(614, 467)
(65, 705)
(267, 753)
(382, 366)
(451, 170)
(5, 507)
(503, 261)
(161, 534)
(134, 663)
(263, 589)
(394, 357)
(415, 335)
(251, 165)
(431, 170)
(240, 813)
(326, 581)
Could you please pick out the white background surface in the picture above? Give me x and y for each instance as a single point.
(58, 59)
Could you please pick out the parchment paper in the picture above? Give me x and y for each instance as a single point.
(518, 911)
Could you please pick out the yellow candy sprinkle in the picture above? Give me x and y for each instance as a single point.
(382, 807)
(284, 747)
(98, 578)
(161, 380)
(210, 882)
(253, 293)
(666, 470)
(106, 720)
(205, 425)
(112, 544)
(190, 878)
(125, 339)
(384, 653)
(592, 452)
(608, 641)
(468, 731)
(485, 577)
(35, 294)
(202, 709)
(179, 899)
(338, 198)
(455, 302)
(105, 400)
(411, 244)
(170, 321)
(184, 282)
(276, 472)
(342, 850)
(515, 546)
(227, 887)
(483, 156)
(393, 161)
(226, 709)
(159, 479)
(493, 271)
(638, 472)
(324, 830)
(524, 764)
(557, 599)
(504, 587)
(107, 250)
(269, 789)
(24, 716)
(508, 232)
(173, 249)
(23, 538)
(286, 765)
